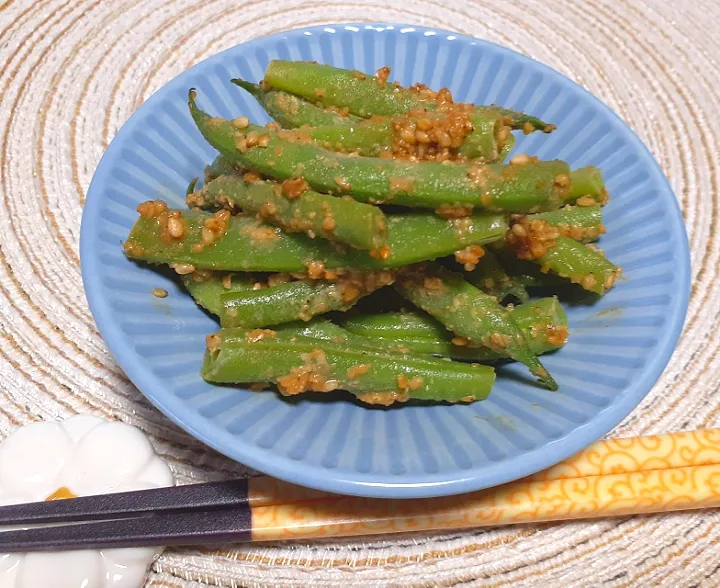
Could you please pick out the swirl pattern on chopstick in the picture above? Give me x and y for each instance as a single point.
(642, 492)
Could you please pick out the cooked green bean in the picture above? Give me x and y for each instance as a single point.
(400, 136)
(543, 323)
(317, 328)
(396, 325)
(206, 290)
(367, 138)
(298, 300)
(587, 182)
(531, 187)
(528, 273)
(220, 167)
(582, 223)
(292, 112)
(299, 364)
(506, 148)
(492, 279)
(470, 313)
(249, 245)
(298, 210)
(365, 95)
(581, 264)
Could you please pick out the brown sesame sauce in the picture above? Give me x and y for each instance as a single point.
(531, 238)
(579, 233)
(183, 269)
(384, 398)
(358, 371)
(469, 256)
(213, 342)
(413, 384)
(312, 376)
(251, 177)
(151, 209)
(401, 186)
(523, 159)
(454, 211)
(262, 233)
(294, 188)
(381, 76)
(421, 135)
(586, 201)
(433, 284)
(557, 335)
(259, 334)
(342, 183)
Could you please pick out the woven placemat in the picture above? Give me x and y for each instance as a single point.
(74, 70)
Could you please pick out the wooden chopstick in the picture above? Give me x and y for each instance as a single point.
(346, 516)
(641, 475)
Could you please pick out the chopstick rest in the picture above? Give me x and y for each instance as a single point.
(82, 455)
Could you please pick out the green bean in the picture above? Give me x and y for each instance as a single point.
(527, 273)
(363, 95)
(396, 325)
(581, 264)
(298, 300)
(298, 364)
(373, 137)
(531, 187)
(489, 138)
(587, 181)
(367, 138)
(543, 323)
(317, 328)
(506, 148)
(296, 209)
(220, 167)
(492, 279)
(191, 187)
(470, 313)
(582, 223)
(249, 245)
(521, 121)
(292, 112)
(207, 290)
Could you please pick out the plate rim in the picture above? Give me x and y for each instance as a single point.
(354, 483)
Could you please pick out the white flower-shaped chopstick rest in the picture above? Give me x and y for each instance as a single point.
(81, 456)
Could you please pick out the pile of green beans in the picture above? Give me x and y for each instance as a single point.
(363, 194)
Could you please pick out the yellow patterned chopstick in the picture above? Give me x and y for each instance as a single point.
(639, 454)
(640, 475)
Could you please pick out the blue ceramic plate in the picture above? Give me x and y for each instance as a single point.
(617, 349)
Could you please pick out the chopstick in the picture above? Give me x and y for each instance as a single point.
(130, 504)
(344, 516)
(642, 475)
(261, 491)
